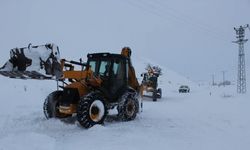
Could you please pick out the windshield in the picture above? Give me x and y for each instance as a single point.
(183, 86)
(104, 68)
(100, 67)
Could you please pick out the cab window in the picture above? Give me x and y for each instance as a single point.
(93, 66)
(104, 68)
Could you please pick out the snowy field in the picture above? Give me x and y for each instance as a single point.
(208, 118)
(191, 37)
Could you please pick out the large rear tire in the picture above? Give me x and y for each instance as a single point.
(51, 104)
(129, 107)
(91, 110)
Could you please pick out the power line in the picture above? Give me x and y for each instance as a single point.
(167, 15)
(190, 19)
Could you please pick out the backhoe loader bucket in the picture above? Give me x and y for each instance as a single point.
(25, 75)
(33, 62)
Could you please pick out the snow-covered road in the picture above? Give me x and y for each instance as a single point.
(194, 121)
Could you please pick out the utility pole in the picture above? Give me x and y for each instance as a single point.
(213, 83)
(241, 78)
(223, 77)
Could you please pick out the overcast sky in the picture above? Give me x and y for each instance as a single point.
(192, 37)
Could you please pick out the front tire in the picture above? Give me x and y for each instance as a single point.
(155, 96)
(159, 93)
(51, 104)
(91, 110)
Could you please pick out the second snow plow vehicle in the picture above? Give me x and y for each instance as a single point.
(150, 82)
(104, 82)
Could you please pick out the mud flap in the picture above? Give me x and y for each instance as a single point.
(33, 62)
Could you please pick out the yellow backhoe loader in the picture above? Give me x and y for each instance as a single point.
(106, 81)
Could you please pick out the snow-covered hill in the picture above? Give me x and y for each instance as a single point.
(209, 118)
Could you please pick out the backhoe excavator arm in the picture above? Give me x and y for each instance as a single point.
(132, 80)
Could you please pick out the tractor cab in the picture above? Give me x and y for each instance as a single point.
(112, 69)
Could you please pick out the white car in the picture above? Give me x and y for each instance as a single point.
(184, 89)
